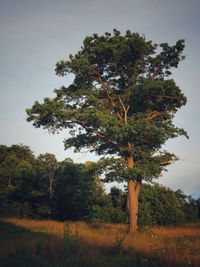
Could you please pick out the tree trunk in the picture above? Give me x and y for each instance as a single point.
(51, 180)
(132, 203)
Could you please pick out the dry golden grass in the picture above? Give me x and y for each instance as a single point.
(176, 246)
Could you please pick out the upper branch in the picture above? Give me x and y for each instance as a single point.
(106, 90)
(153, 114)
(125, 110)
(97, 133)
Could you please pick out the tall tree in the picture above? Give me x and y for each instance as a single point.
(121, 102)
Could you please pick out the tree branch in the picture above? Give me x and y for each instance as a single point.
(99, 134)
(106, 90)
(169, 97)
(125, 110)
(152, 115)
(155, 71)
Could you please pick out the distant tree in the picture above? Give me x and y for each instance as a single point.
(8, 168)
(191, 209)
(99, 203)
(10, 158)
(70, 198)
(22, 191)
(3, 152)
(122, 103)
(48, 164)
(198, 207)
(159, 205)
(78, 193)
(165, 207)
(22, 152)
(118, 199)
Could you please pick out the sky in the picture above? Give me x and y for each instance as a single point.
(35, 34)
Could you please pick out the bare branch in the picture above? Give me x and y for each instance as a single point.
(125, 110)
(155, 71)
(154, 114)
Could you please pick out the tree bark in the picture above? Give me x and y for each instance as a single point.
(132, 203)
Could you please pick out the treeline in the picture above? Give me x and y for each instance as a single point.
(41, 187)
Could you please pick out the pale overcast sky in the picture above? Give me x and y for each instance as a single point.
(35, 34)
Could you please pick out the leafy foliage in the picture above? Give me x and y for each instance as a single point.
(79, 194)
(122, 102)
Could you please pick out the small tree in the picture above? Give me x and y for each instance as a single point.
(121, 103)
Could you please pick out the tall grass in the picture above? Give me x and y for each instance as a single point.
(50, 243)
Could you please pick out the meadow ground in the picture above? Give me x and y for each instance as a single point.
(31, 243)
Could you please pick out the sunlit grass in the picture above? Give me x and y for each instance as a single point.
(82, 244)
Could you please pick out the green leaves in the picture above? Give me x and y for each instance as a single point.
(148, 166)
(121, 101)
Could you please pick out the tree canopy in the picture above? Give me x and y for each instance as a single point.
(121, 103)
(78, 193)
(122, 93)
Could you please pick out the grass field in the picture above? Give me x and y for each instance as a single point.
(31, 243)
